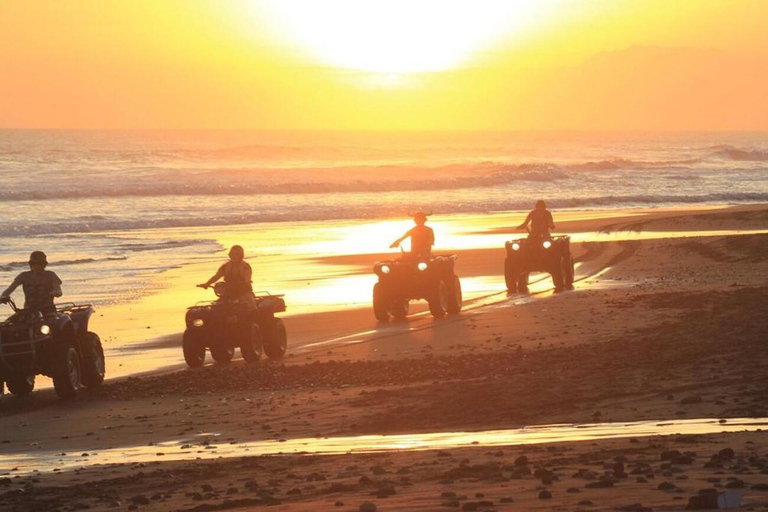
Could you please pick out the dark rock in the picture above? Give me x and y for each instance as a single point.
(140, 499)
(378, 470)
(585, 503)
(599, 484)
(545, 495)
(635, 507)
(367, 506)
(726, 453)
(703, 502)
(666, 486)
(573, 490)
(521, 461)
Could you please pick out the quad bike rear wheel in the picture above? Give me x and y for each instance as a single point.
(194, 350)
(20, 385)
(251, 346)
(277, 340)
(381, 305)
(455, 300)
(92, 361)
(222, 353)
(438, 303)
(67, 378)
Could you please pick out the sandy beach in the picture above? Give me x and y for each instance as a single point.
(665, 325)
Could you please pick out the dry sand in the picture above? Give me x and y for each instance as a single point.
(656, 329)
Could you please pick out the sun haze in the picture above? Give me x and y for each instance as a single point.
(346, 64)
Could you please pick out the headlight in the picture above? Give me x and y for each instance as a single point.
(422, 266)
(547, 244)
(198, 322)
(45, 329)
(385, 269)
(515, 246)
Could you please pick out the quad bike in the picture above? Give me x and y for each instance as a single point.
(225, 324)
(538, 254)
(57, 344)
(409, 278)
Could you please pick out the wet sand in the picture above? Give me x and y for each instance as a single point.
(657, 329)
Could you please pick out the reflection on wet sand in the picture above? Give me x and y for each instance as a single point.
(204, 446)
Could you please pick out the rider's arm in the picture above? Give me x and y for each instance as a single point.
(527, 221)
(551, 221)
(400, 240)
(15, 284)
(218, 275)
(55, 285)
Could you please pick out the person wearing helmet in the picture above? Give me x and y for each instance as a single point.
(237, 275)
(40, 286)
(541, 221)
(422, 237)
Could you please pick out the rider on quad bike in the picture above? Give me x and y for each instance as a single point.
(40, 286)
(237, 274)
(47, 339)
(422, 237)
(540, 252)
(416, 275)
(238, 318)
(541, 222)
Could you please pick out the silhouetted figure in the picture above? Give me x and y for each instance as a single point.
(422, 237)
(40, 286)
(237, 274)
(540, 220)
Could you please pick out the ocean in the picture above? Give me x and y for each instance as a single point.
(100, 202)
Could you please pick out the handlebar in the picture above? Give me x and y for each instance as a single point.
(11, 303)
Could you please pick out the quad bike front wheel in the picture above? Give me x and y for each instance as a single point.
(251, 346)
(400, 308)
(510, 279)
(222, 353)
(454, 296)
(92, 362)
(557, 275)
(194, 350)
(568, 272)
(67, 379)
(381, 305)
(20, 385)
(277, 340)
(438, 303)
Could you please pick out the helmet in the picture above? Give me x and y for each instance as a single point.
(420, 215)
(38, 257)
(237, 251)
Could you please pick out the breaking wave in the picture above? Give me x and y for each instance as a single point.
(740, 155)
(17, 265)
(157, 182)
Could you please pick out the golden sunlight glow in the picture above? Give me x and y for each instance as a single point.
(399, 36)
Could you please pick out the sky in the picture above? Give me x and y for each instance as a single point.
(668, 65)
